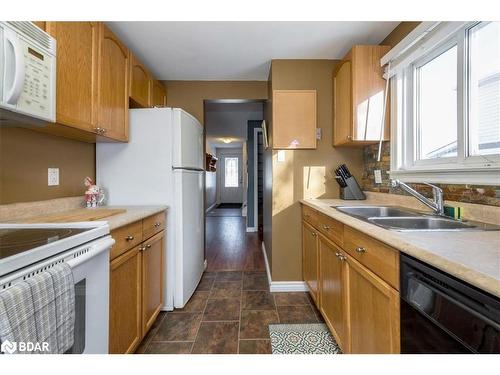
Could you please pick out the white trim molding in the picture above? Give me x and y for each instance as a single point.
(281, 286)
(251, 229)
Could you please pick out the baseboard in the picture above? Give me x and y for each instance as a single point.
(281, 286)
(251, 229)
(211, 207)
(288, 286)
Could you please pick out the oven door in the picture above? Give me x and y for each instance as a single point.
(91, 277)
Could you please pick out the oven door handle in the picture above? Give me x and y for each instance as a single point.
(95, 249)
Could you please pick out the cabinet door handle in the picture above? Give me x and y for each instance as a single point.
(326, 227)
(129, 238)
(157, 225)
(340, 256)
(360, 250)
(142, 248)
(314, 234)
(148, 246)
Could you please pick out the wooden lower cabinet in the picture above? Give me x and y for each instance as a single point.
(125, 331)
(136, 285)
(152, 279)
(373, 312)
(355, 291)
(310, 259)
(333, 302)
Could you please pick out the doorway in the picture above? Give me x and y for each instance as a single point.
(229, 245)
(230, 179)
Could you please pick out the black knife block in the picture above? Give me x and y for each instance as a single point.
(352, 191)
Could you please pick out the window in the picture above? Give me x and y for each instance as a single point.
(484, 89)
(231, 172)
(436, 112)
(446, 105)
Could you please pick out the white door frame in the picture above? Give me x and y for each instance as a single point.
(221, 153)
(256, 178)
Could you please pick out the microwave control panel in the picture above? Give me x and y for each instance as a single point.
(37, 94)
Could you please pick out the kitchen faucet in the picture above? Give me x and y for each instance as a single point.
(436, 204)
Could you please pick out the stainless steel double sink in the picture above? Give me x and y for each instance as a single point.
(404, 219)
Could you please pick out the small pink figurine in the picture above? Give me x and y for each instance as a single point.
(94, 196)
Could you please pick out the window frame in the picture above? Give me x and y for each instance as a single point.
(457, 169)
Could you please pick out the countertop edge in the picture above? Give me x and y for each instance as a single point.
(476, 278)
(133, 214)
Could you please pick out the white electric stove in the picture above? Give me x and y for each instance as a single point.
(26, 249)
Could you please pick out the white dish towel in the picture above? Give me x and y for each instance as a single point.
(40, 309)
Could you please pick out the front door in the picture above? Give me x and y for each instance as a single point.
(231, 179)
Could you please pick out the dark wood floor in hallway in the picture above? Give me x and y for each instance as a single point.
(229, 247)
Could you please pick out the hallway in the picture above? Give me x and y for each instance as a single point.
(229, 247)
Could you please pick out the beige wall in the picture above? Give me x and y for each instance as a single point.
(289, 178)
(25, 156)
(399, 32)
(189, 95)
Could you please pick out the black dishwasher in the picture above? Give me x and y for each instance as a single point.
(441, 314)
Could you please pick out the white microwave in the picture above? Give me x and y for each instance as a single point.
(27, 75)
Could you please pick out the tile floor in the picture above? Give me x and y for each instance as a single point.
(229, 313)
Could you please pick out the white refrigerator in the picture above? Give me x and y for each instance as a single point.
(162, 164)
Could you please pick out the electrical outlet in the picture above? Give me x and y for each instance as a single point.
(378, 176)
(318, 134)
(53, 176)
(281, 156)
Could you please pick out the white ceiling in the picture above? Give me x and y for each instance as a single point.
(229, 120)
(239, 50)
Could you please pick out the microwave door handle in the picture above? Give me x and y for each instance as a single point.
(12, 94)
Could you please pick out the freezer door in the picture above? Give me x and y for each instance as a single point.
(189, 232)
(188, 140)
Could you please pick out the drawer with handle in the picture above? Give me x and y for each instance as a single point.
(310, 215)
(381, 259)
(331, 228)
(153, 224)
(126, 237)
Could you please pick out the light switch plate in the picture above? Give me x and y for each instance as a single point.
(53, 176)
(378, 176)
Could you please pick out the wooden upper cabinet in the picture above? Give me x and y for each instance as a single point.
(333, 291)
(113, 86)
(140, 90)
(41, 24)
(310, 259)
(152, 279)
(77, 49)
(294, 119)
(358, 97)
(158, 94)
(373, 312)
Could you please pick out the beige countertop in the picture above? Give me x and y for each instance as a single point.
(470, 256)
(67, 210)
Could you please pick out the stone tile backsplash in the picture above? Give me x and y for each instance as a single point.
(478, 194)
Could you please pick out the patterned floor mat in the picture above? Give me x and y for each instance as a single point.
(302, 339)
